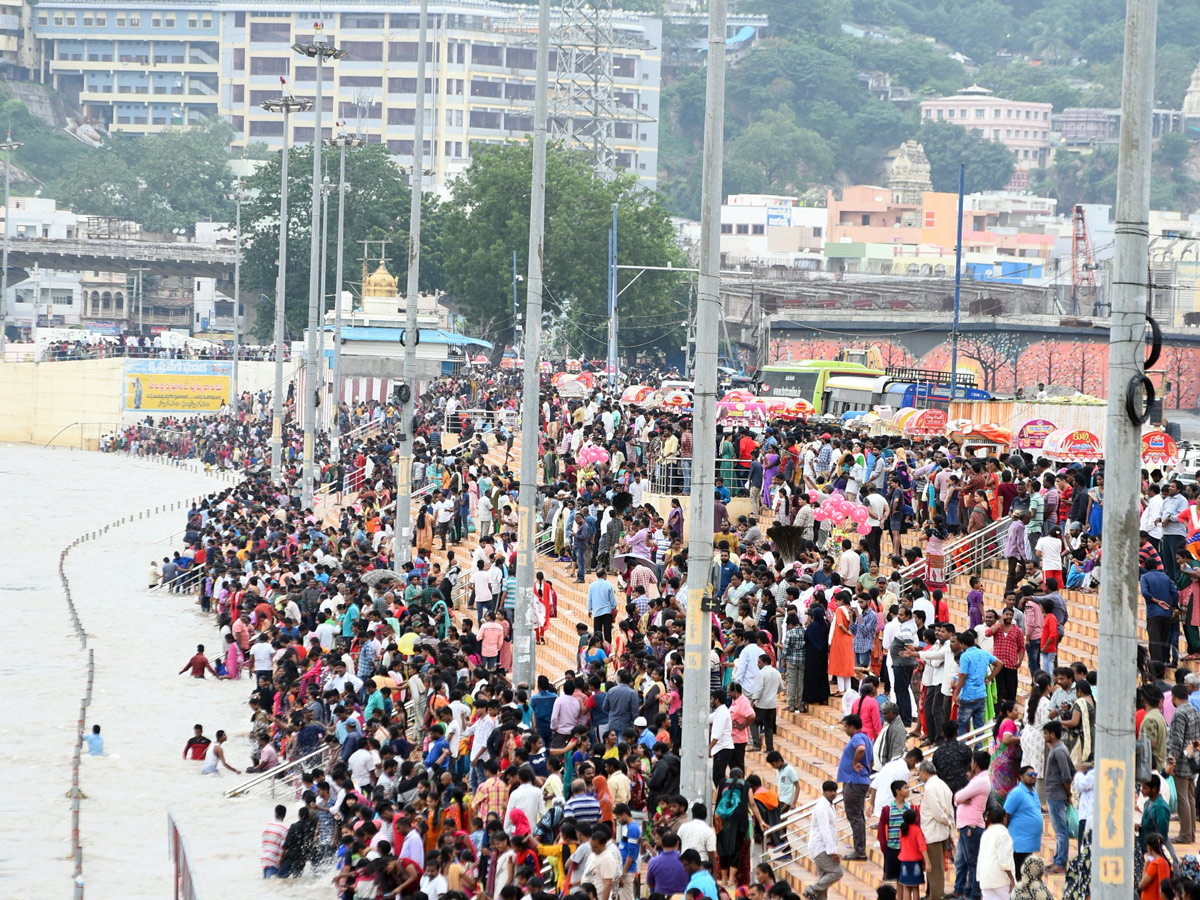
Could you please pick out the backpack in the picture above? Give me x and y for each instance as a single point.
(730, 800)
(548, 825)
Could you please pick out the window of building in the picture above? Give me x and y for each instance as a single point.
(258, 97)
(406, 20)
(980, 113)
(398, 115)
(239, 59)
(521, 58)
(69, 20)
(930, 218)
(1028, 113)
(193, 22)
(400, 148)
(368, 51)
(375, 81)
(358, 20)
(266, 128)
(515, 90)
(623, 66)
(962, 113)
(267, 65)
(156, 22)
(995, 134)
(939, 114)
(454, 118)
(1008, 113)
(87, 21)
(758, 229)
(168, 21)
(1027, 154)
(949, 114)
(487, 55)
(101, 20)
(482, 118)
(120, 21)
(239, 93)
(135, 21)
(43, 19)
(239, 19)
(865, 219)
(206, 22)
(726, 228)
(817, 232)
(517, 122)
(1027, 135)
(996, 113)
(270, 32)
(480, 88)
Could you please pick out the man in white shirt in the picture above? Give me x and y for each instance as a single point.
(696, 834)
(823, 844)
(849, 564)
(481, 583)
(1152, 514)
(527, 797)
(362, 767)
(937, 823)
(720, 735)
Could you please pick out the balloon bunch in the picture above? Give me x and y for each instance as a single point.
(593, 454)
(844, 515)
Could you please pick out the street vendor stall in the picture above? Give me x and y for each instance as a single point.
(1067, 445)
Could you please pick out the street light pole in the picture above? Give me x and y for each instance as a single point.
(287, 104)
(326, 190)
(8, 147)
(235, 397)
(335, 437)
(402, 538)
(1129, 394)
(321, 51)
(524, 645)
(694, 746)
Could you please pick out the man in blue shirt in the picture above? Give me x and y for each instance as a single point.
(854, 774)
(629, 835)
(665, 873)
(95, 742)
(1161, 597)
(976, 670)
(602, 603)
(698, 877)
(725, 569)
(1024, 816)
(542, 704)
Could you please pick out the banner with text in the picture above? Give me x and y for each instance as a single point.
(177, 385)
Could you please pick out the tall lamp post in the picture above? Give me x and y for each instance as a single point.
(287, 104)
(335, 437)
(402, 541)
(240, 196)
(8, 147)
(320, 51)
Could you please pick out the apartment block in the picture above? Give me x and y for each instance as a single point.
(142, 67)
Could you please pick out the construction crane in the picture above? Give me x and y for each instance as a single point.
(1083, 265)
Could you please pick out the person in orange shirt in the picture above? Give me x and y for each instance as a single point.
(1156, 871)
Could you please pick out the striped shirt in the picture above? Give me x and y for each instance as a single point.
(272, 844)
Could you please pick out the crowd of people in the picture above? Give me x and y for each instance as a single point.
(429, 771)
(91, 345)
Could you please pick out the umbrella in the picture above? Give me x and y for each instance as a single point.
(922, 423)
(635, 394)
(628, 561)
(1159, 448)
(676, 399)
(1033, 433)
(753, 414)
(385, 681)
(1067, 445)
(379, 576)
(739, 394)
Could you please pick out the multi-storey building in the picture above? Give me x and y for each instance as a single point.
(143, 66)
(1023, 127)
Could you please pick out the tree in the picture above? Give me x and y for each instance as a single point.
(1182, 375)
(164, 181)
(989, 163)
(377, 206)
(994, 351)
(781, 150)
(488, 219)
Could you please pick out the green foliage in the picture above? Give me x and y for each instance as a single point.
(989, 163)
(377, 209)
(162, 181)
(47, 155)
(488, 218)
(783, 152)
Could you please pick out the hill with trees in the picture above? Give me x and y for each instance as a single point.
(800, 115)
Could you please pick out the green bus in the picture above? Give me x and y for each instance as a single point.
(806, 378)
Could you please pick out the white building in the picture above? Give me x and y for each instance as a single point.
(58, 293)
(762, 229)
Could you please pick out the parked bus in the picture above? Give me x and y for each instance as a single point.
(899, 388)
(806, 378)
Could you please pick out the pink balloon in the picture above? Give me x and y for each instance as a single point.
(812, 496)
(864, 529)
(859, 514)
(820, 515)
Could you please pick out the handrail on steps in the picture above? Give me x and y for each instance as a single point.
(276, 772)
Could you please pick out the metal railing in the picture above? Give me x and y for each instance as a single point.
(284, 776)
(969, 554)
(484, 420)
(796, 823)
(183, 582)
